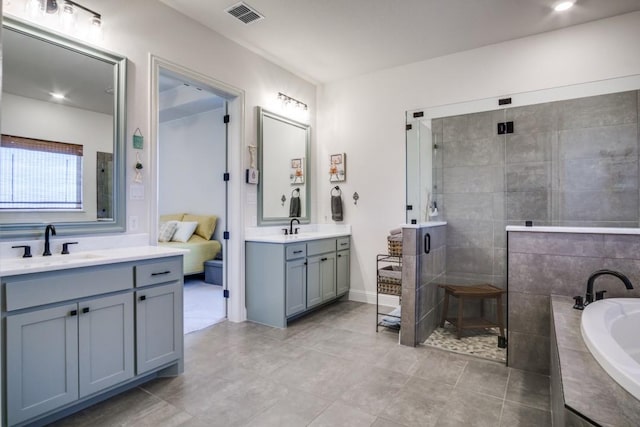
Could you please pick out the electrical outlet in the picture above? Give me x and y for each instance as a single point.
(133, 223)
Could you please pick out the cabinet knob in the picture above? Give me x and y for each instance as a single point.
(339, 256)
(85, 310)
(142, 297)
(73, 313)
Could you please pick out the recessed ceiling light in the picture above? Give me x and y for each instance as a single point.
(562, 6)
(57, 95)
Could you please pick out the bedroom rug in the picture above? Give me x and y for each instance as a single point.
(204, 304)
(476, 342)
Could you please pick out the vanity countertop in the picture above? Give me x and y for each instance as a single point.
(38, 264)
(307, 232)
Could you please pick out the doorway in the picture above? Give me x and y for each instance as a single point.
(190, 124)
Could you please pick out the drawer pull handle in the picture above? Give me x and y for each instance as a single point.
(344, 244)
(324, 259)
(73, 313)
(297, 252)
(85, 310)
(161, 273)
(142, 297)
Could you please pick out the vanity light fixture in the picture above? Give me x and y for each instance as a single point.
(289, 101)
(57, 95)
(564, 5)
(67, 10)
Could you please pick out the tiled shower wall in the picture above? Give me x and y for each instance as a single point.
(570, 162)
(544, 264)
(421, 271)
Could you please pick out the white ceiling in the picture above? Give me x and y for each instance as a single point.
(327, 40)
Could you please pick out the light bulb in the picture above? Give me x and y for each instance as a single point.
(563, 6)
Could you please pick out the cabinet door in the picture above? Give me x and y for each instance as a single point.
(314, 285)
(343, 272)
(296, 291)
(328, 276)
(159, 329)
(42, 361)
(106, 342)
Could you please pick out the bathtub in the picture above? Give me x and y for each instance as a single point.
(611, 331)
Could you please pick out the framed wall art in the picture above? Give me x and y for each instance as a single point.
(338, 167)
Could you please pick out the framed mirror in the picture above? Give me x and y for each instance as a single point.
(283, 162)
(62, 154)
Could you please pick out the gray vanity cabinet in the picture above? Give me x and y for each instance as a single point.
(343, 271)
(105, 342)
(158, 326)
(75, 333)
(296, 291)
(42, 361)
(286, 280)
(60, 354)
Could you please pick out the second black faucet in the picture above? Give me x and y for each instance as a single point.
(50, 229)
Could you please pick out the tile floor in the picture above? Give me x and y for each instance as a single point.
(327, 369)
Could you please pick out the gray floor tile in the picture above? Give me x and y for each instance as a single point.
(341, 414)
(326, 369)
(484, 377)
(296, 408)
(420, 403)
(516, 415)
(529, 389)
(465, 408)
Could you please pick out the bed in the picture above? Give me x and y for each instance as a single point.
(201, 245)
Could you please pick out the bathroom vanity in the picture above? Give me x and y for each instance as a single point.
(79, 328)
(288, 276)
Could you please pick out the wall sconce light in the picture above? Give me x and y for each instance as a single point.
(62, 14)
(289, 101)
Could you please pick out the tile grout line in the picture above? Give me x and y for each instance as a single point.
(504, 397)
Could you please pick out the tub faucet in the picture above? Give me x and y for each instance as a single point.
(600, 295)
(291, 225)
(50, 229)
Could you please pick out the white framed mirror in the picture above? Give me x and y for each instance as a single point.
(63, 134)
(283, 161)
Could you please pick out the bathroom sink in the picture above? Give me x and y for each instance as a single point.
(47, 261)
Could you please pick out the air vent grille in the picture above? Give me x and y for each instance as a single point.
(244, 13)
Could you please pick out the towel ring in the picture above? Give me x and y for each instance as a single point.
(295, 190)
(336, 188)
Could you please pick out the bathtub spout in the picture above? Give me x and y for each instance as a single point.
(600, 295)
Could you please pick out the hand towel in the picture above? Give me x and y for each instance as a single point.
(294, 207)
(336, 208)
(395, 231)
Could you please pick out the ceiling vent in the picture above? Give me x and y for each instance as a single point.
(244, 12)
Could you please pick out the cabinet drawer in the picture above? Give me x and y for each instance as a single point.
(321, 246)
(32, 290)
(343, 243)
(159, 271)
(296, 251)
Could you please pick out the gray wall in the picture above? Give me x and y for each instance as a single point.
(569, 162)
(542, 264)
(421, 273)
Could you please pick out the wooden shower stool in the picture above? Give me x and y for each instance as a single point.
(472, 292)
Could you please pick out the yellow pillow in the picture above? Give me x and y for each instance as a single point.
(206, 224)
(171, 217)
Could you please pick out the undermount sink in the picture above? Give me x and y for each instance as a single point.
(56, 259)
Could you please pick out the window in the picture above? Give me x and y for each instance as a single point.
(38, 174)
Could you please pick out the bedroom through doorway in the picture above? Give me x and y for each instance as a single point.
(192, 194)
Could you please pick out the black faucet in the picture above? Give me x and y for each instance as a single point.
(52, 229)
(600, 295)
(291, 225)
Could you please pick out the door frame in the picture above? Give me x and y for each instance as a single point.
(233, 248)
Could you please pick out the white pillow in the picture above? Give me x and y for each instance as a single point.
(167, 230)
(185, 231)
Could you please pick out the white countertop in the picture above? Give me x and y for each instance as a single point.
(38, 263)
(307, 232)
(578, 230)
(425, 224)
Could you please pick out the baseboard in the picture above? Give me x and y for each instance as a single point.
(370, 298)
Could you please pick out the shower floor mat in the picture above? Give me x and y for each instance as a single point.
(477, 342)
